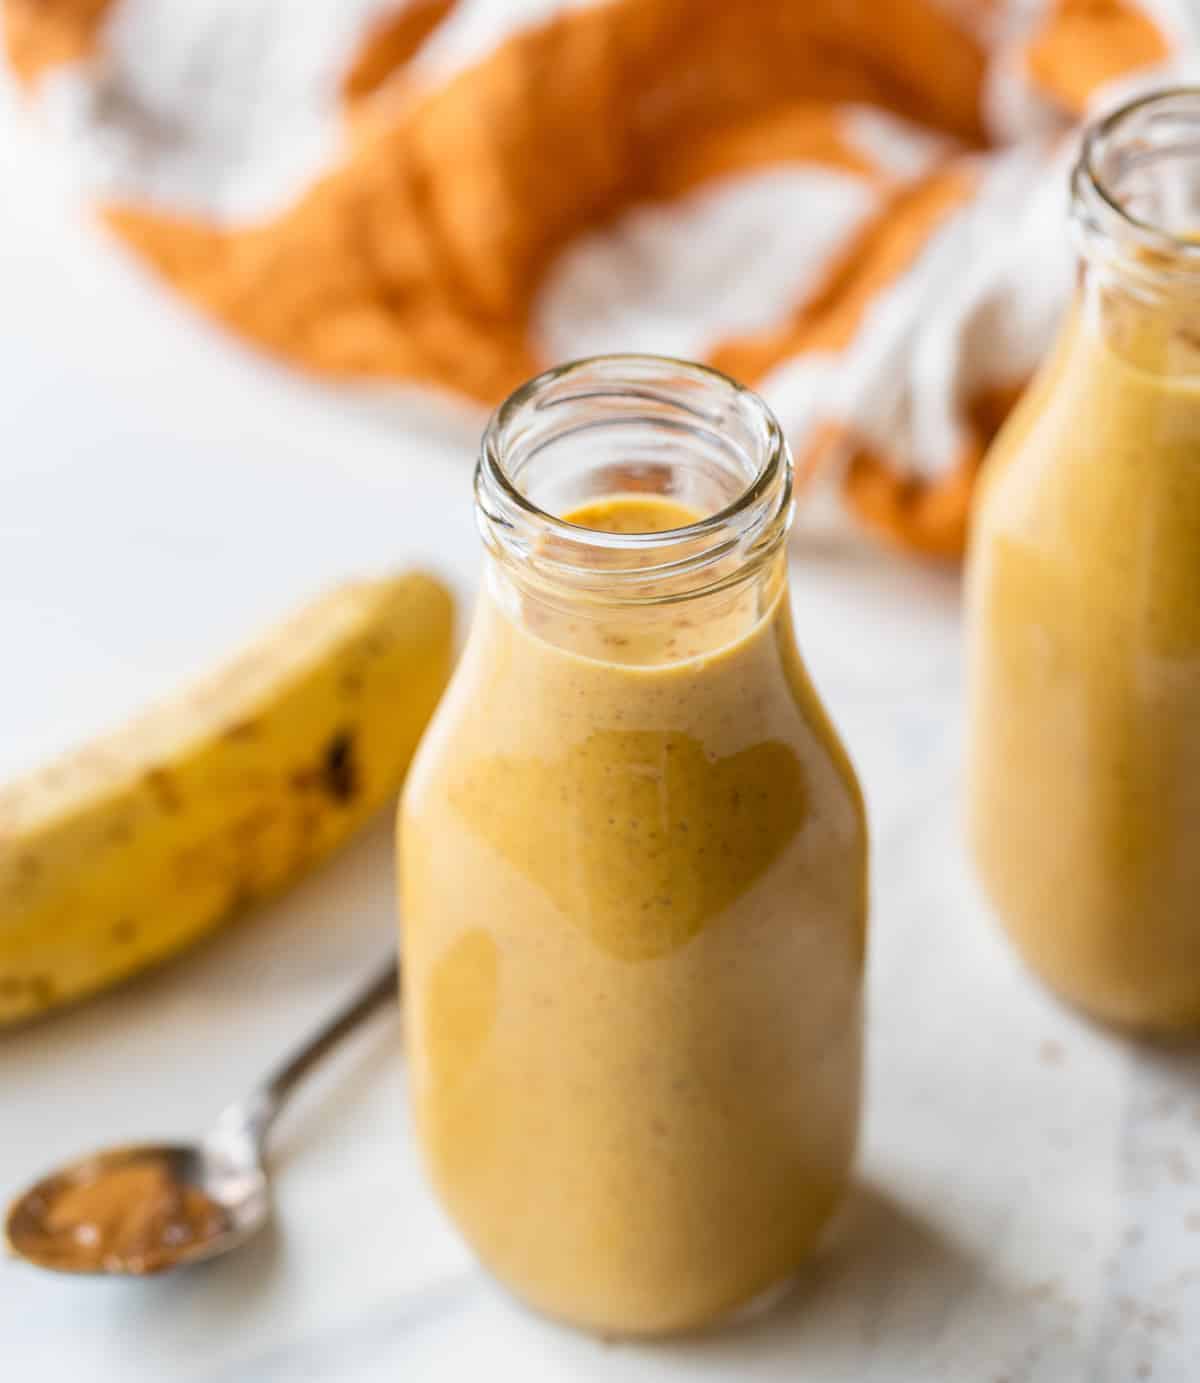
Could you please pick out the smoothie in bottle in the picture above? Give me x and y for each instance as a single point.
(1084, 601)
(633, 862)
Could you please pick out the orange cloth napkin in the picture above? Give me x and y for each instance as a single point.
(855, 205)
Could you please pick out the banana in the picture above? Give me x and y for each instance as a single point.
(124, 852)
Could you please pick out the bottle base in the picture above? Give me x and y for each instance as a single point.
(740, 1312)
(1152, 1013)
(761, 1303)
(1124, 1019)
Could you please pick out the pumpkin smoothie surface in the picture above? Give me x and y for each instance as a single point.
(672, 957)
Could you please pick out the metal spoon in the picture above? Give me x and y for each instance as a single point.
(227, 1169)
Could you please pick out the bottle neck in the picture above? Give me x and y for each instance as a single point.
(628, 494)
(655, 634)
(1135, 211)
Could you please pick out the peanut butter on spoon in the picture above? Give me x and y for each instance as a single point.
(134, 1218)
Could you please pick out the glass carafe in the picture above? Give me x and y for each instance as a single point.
(633, 863)
(1084, 600)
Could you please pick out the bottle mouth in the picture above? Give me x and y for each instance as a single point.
(1136, 186)
(646, 425)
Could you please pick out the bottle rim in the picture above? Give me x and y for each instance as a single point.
(1109, 228)
(680, 395)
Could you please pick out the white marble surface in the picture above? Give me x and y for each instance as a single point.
(1029, 1204)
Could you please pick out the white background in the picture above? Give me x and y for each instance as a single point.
(1029, 1209)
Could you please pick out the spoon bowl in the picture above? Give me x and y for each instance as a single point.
(235, 1198)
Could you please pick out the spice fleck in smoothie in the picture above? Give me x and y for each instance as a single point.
(634, 880)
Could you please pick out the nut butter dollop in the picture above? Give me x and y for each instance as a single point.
(131, 1217)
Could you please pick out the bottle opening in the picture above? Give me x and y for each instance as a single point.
(622, 470)
(1136, 186)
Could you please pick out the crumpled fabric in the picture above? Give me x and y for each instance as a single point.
(856, 206)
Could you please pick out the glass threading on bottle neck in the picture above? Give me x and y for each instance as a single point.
(1135, 193)
(640, 426)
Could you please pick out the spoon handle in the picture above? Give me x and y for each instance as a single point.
(254, 1115)
(373, 995)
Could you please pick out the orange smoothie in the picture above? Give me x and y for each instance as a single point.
(633, 858)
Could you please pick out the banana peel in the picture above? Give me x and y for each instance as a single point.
(126, 851)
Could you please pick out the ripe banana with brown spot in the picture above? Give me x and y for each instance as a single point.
(124, 852)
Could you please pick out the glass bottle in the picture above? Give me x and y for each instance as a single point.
(1084, 600)
(633, 862)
